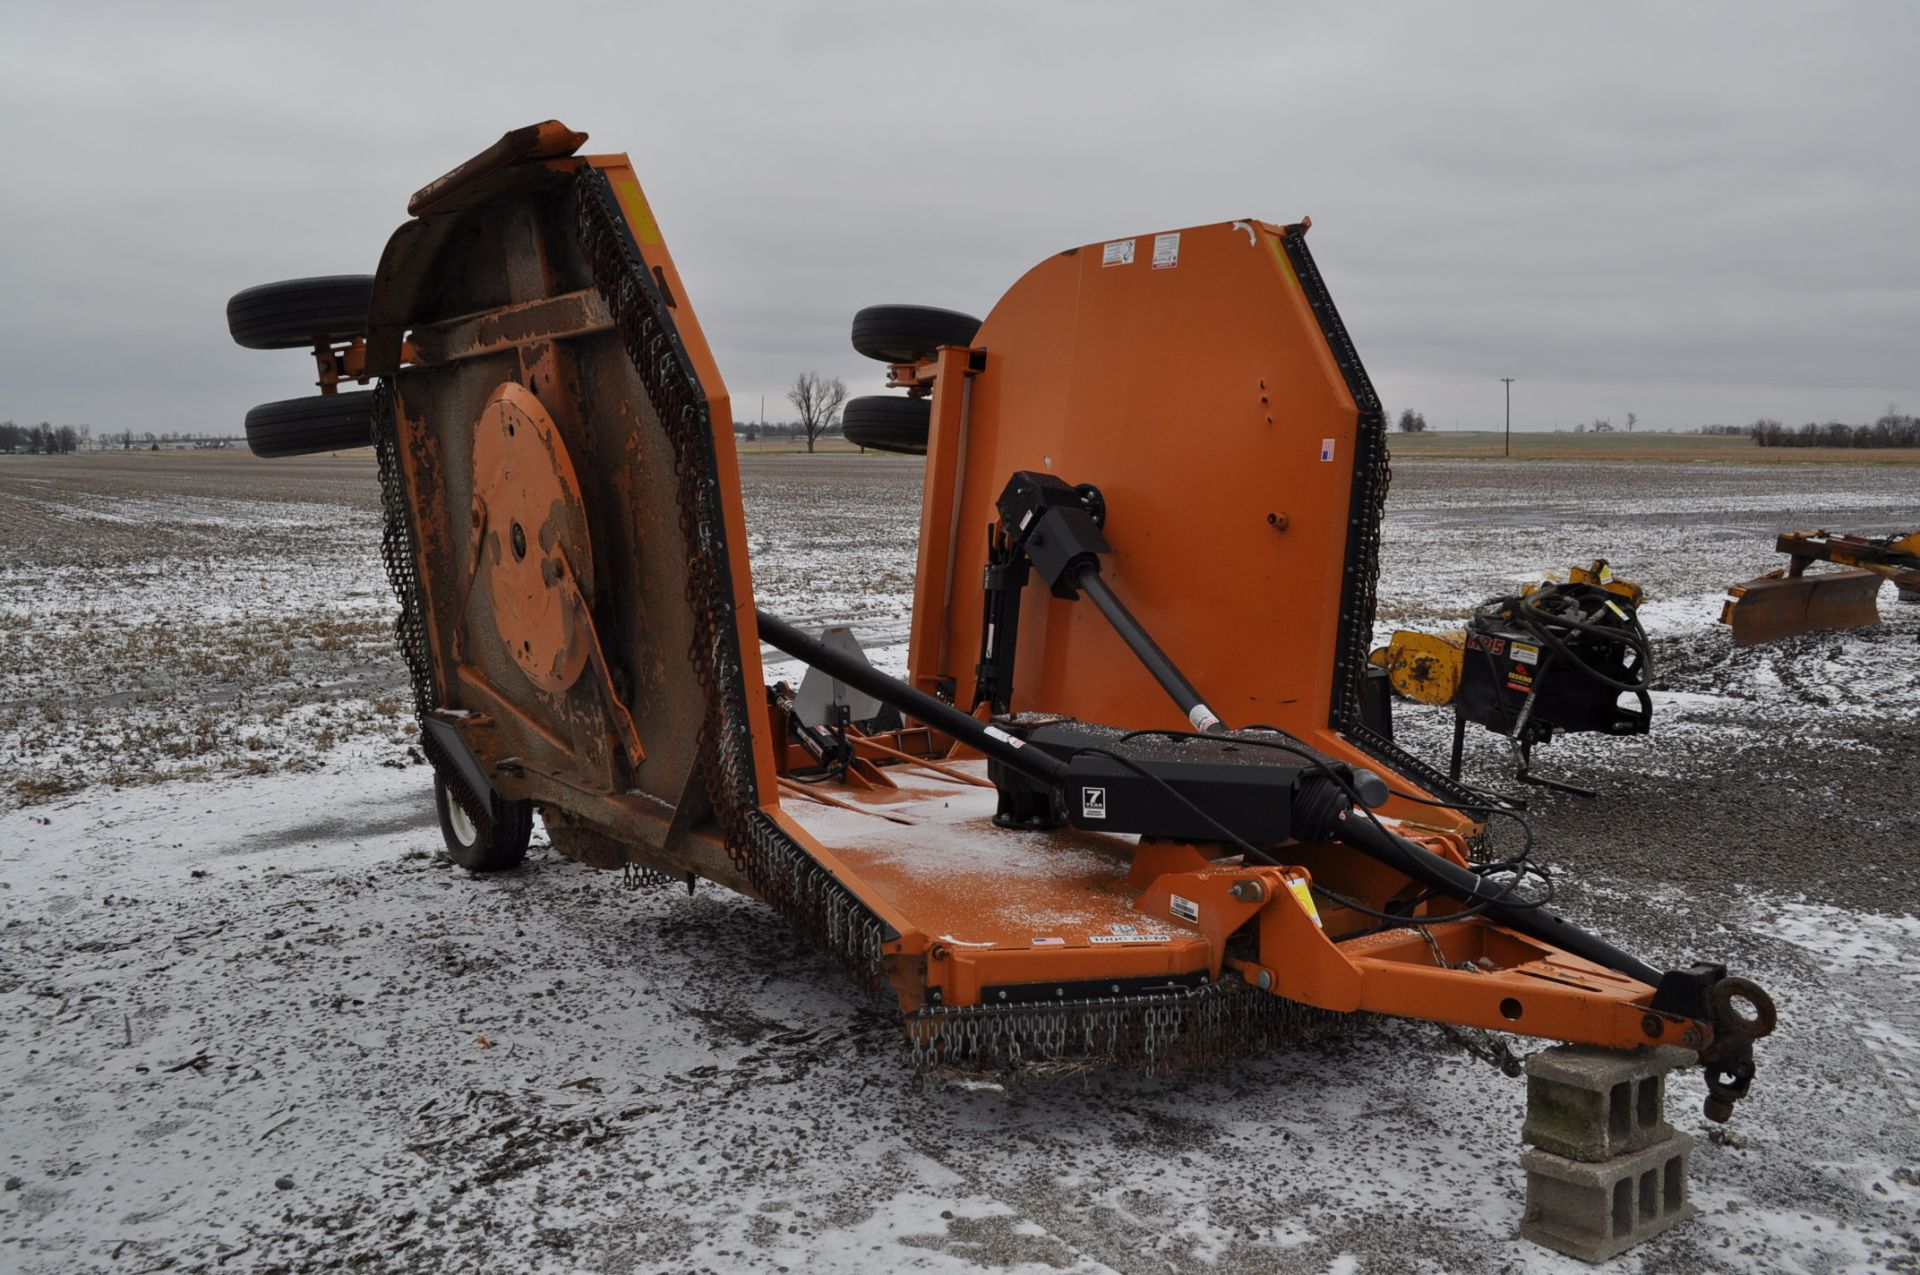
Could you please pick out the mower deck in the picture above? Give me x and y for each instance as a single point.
(1016, 917)
(1203, 462)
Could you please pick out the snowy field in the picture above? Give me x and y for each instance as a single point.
(250, 1021)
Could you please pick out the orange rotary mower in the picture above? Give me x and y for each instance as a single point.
(1123, 808)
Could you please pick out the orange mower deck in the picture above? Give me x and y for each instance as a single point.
(569, 545)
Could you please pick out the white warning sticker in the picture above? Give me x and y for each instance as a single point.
(994, 732)
(1326, 449)
(1049, 942)
(1166, 251)
(1526, 653)
(1183, 909)
(1118, 253)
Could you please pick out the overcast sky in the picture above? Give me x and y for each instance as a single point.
(1698, 213)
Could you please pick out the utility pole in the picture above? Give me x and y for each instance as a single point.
(1508, 382)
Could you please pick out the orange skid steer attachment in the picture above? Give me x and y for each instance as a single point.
(1128, 811)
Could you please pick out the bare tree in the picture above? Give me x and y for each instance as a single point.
(818, 399)
(1632, 420)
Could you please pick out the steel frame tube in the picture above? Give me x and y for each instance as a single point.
(1089, 580)
(1430, 869)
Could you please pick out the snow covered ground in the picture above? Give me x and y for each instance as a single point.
(249, 1021)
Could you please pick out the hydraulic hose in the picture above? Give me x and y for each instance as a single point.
(1429, 869)
(1528, 612)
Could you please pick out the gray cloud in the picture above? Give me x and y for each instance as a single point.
(1698, 213)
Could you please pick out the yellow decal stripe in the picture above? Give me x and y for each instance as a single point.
(638, 213)
(1280, 255)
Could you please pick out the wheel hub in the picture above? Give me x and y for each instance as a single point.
(535, 536)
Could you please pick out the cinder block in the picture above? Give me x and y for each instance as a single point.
(1591, 1104)
(1597, 1211)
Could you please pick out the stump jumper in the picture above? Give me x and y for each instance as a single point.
(1123, 808)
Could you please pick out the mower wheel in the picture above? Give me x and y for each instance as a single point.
(305, 426)
(889, 423)
(909, 333)
(506, 848)
(297, 312)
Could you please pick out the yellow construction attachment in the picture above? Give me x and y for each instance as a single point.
(1425, 667)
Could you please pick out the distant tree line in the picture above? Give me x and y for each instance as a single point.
(752, 431)
(1891, 430)
(1604, 424)
(1412, 422)
(43, 439)
(53, 440)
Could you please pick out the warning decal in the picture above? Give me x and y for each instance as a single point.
(1302, 891)
(1184, 909)
(1118, 253)
(1166, 251)
(1326, 449)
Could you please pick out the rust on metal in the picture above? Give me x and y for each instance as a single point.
(572, 314)
(535, 532)
(549, 139)
(1779, 604)
(1794, 600)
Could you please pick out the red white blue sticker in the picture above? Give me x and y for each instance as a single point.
(1326, 449)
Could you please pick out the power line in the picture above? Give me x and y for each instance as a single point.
(1508, 382)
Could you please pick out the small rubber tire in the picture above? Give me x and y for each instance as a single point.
(909, 333)
(888, 423)
(298, 312)
(506, 849)
(307, 426)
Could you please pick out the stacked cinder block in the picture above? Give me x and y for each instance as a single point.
(1604, 1168)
